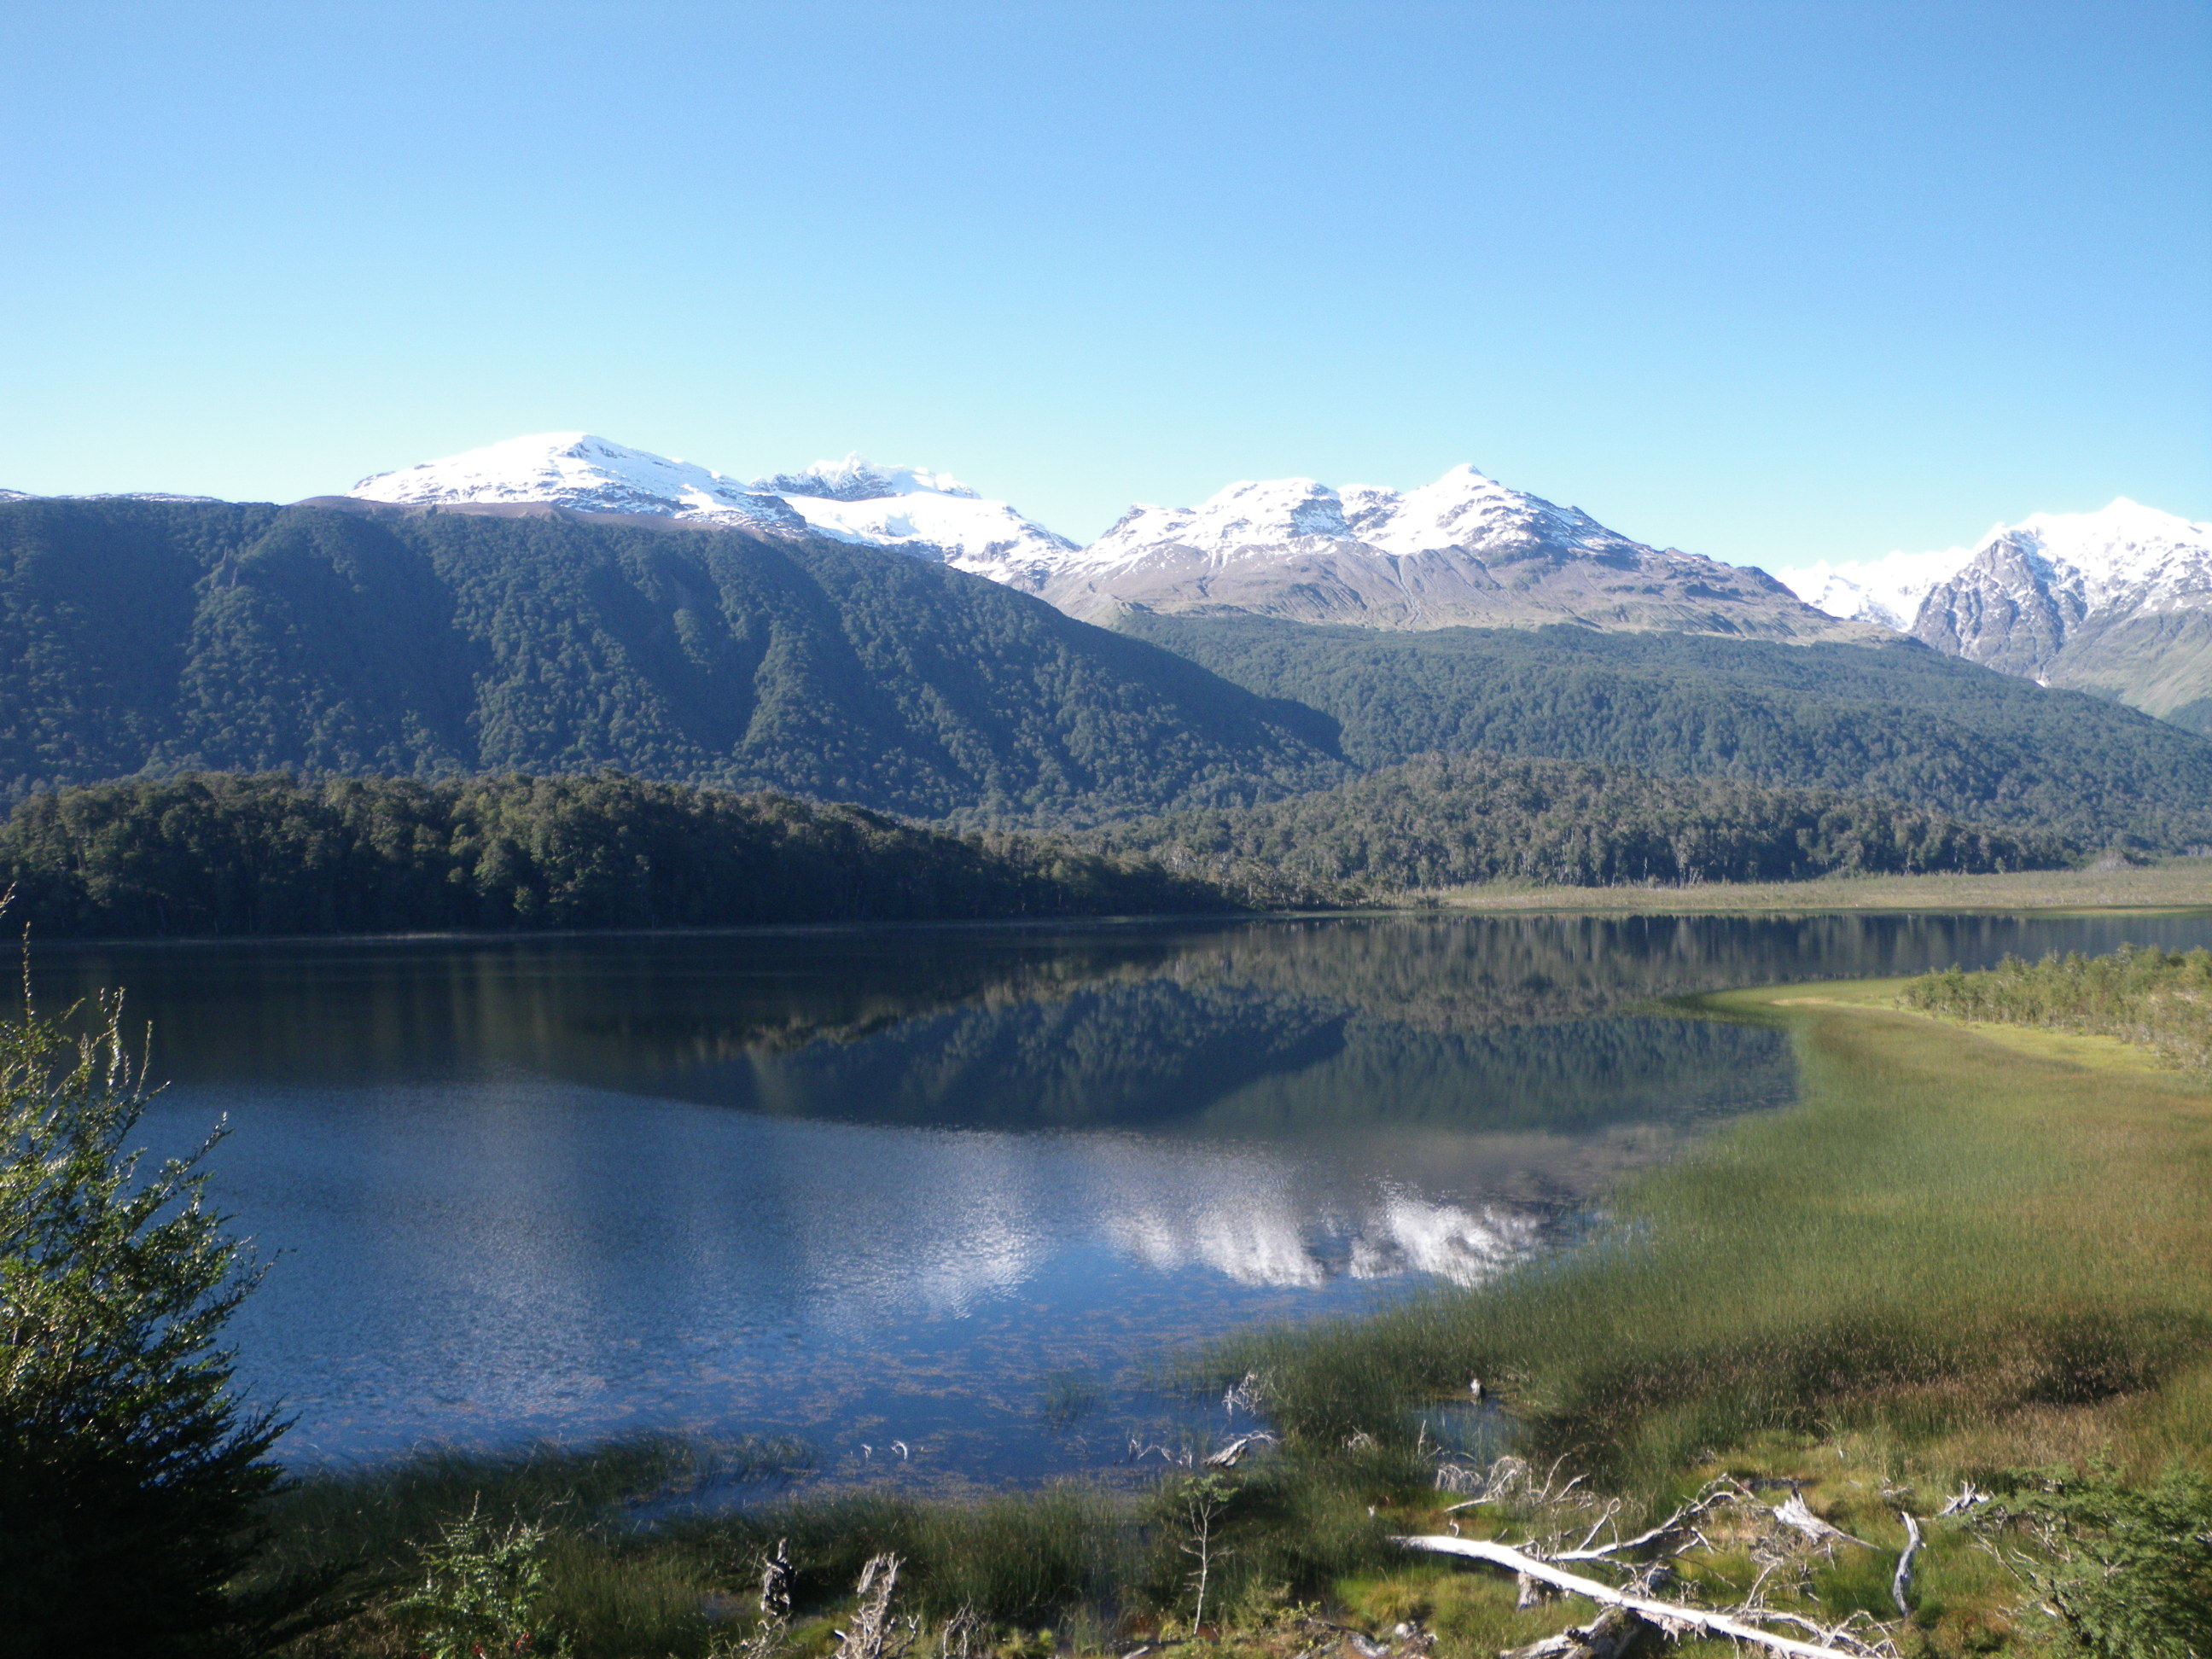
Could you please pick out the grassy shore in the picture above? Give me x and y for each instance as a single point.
(2170, 884)
(1971, 1249)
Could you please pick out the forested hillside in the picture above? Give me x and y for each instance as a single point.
(155, 635)
(1450, 820)
(1899, 720)
(225, 854)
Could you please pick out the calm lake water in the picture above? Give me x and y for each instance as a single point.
(963, 1189)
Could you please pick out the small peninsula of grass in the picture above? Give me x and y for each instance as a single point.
(2174, 884)
(1971, 1251)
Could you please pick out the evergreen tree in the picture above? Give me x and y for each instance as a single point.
(131, 1472)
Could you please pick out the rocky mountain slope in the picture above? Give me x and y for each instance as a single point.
(2116, 602)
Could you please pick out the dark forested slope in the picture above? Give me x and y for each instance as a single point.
(139, 635)
(1448, 820)
(212, 853)
(1899, 722)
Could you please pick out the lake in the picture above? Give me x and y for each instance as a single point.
(944, 1201)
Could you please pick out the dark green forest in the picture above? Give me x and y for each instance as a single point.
(158, 635)
(1445, 821)
(220, 854)
(1897, 720)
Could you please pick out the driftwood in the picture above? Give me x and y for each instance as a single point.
(1227, 1456)
(1795, 1514)
(1670, 1616)
(1900, 1586)
(1614, 1634)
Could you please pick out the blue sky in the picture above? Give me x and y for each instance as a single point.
(1768, 281)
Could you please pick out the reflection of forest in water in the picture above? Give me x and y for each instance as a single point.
(1400, 1022)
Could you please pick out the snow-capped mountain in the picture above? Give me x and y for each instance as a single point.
(2118, 602)
(585, 474)
(1464, 550)
(924, 514)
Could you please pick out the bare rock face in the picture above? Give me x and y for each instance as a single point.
(2117, 603)
(2013, 608)
(1465, 551)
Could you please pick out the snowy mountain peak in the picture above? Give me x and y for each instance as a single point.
(905, 508)
(2124, 553)
(583, 472)
(856, 479)
(1463, 508)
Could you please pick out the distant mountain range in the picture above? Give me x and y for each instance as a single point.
(1464, 550)
(142, 637)
(2117, 603)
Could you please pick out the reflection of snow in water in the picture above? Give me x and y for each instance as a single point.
(1276, 1245)
(934, 1221)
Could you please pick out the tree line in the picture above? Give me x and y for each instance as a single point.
(236, 854)
(1452, 820)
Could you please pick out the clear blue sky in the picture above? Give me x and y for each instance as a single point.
(1768, 281)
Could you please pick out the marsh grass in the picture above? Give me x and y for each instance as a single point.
(1949, 1242)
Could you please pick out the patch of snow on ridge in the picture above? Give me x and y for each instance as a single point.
(578, 470)
(856, 479)
(928, 514)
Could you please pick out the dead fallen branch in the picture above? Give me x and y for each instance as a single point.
(1795, 1514)
(1900, 1585)
(1672, 1617)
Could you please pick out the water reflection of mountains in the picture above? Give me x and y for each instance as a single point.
(1489, 1023)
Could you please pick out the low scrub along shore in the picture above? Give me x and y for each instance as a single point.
(2175, 884)
(1959, 1293)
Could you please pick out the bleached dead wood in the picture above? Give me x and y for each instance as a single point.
(1900, 1585)
(1795, 1514)
(1614, 1634)
(1670, 1616)
(1227, 1456)
(1720, 1491)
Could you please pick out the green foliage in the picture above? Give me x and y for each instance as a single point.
(2127, 1568)
(1445, 821)
(131, 1475)
(2160, 1000)
(482, 1593)
(156, 636)
(223, 855)
(1899, 720)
